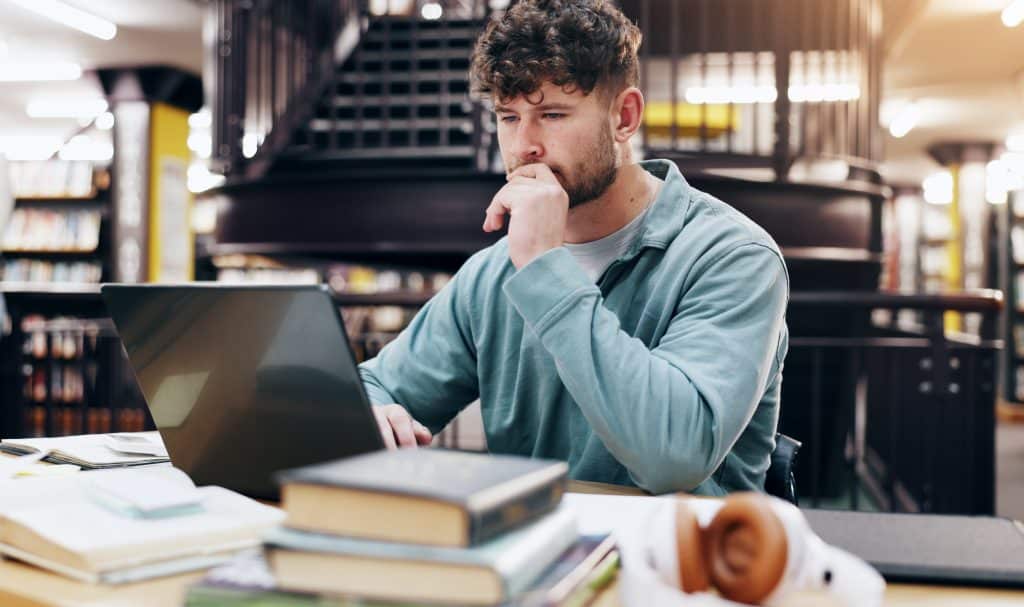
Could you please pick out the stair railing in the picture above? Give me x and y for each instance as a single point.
(267, 64)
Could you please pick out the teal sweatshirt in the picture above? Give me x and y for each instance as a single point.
(665, 374)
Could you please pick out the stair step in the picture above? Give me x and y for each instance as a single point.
(448, 151)
(405, 54)
(419, 76)
(404, 22)
(451, 32)
(406, 66)
(403, 124)
(440, 99)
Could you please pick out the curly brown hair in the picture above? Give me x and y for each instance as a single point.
(577, 44)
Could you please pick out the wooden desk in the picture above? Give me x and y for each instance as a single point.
(26, 586)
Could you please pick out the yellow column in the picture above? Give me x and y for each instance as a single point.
(954, 251)
(171, 250)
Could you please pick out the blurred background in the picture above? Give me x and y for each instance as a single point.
(880, 142)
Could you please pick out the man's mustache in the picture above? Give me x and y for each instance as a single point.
(554, 169)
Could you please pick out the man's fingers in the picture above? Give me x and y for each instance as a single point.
(401, 423)
(423, 435)
(536, 170)
(494, 218)
(386, 432)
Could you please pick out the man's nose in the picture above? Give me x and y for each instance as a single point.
(529, 147)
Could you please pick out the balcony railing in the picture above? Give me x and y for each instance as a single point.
(786, 89)
(894, 413)
(267, 63)
(779, 84)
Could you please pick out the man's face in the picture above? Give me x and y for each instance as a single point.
(569, 132)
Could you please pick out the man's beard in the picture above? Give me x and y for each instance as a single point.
(594, 173)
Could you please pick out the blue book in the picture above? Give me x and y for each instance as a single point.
(487, 574)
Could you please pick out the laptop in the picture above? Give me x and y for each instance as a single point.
(244, 381)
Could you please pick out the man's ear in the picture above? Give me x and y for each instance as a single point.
(627, 113)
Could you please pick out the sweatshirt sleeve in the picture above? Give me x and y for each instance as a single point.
(669, 413)
(430, 368)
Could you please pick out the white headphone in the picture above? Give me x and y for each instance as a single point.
(753, 549)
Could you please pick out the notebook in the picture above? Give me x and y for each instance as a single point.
(94, 451)
(115, 526)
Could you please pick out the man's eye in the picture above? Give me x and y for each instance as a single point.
(553, 115)
(507, 119)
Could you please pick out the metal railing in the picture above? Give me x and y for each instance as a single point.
(894, 413)
(777, 85)
(762, 83)
(267, 65)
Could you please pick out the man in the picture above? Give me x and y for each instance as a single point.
(627, 324)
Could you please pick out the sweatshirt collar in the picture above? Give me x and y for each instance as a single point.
(666, 216)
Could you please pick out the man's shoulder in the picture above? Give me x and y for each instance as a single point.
(716, 228)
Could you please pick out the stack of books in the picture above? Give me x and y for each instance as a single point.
(125, 525)
(423, 526)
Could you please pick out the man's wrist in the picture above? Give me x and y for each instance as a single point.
(546, 281)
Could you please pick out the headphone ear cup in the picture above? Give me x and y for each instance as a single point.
(746, 549)
(693, 572)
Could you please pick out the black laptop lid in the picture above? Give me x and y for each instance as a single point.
(244, 381)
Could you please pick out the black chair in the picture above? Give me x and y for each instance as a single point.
(781, 478)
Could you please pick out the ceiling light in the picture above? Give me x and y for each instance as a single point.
(998, 181)
(905, 120)
(28, 147)
(938, 188)
(66, 108)
(1014, 161)
(201, 119)
(250, 143)
(105, 121)
(730, 94)
(82, 147)
(816, 93)
(70, 16)
(38, 72)
(1013, 14)
(201, 144)
(431, 11)
(200, 179)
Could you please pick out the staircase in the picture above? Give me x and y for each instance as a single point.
(400, 100)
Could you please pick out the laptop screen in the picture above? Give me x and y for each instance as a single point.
(244, 381)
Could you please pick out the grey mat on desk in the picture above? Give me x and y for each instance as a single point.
(969, 550)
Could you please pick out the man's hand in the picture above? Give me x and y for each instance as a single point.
(398, 428)
(537, 206)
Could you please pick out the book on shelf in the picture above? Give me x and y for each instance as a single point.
(118, 526)
(94, 451)
(422, 496)
(48, 230)
(52, 179)
(248, 581)
(486, 574)
(40, 271)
